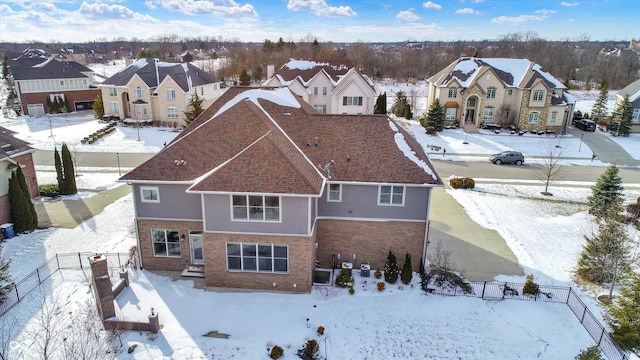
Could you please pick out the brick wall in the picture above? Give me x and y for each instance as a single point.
(151, 262)
(29, 171)
(302, 253)
(5, 209)
(72, 96)
(370, 241)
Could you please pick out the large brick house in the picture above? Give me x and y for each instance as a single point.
(332, 86)
(261, 186)
(149, 89)
(39, 83)
(503, 92)
(13, 153)
(633, 91)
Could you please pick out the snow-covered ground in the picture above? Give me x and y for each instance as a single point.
(401, 322)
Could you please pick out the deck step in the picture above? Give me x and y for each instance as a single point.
(193, 271)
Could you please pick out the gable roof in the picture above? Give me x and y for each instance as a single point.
(186, 75)
(306, 69)
(511, 72)
(267, 140)
(11, 146)
(633, 90)
(36, 69)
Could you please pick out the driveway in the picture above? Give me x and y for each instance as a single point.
(605, 149)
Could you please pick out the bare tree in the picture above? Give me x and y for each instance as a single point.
(550, 168)
(9, 330)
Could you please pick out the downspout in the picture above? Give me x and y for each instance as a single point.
(135, 211)
(426, 234)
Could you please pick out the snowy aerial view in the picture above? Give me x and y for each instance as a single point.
(401, 322)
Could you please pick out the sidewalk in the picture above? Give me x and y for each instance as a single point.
(70, 213)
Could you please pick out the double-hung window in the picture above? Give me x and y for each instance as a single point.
(554, 117)
(113, 91)
(538, 95)
(315, 90)
(487, 116)
(172, 112)
(453, 93)
(635, 117)
(257, 257)
(113, 107)
(171, 94)
(391, 195)
(149, 194)
(352, 100)
(138, 93)
(533, 117)
(166, 242)
(256, 208)
(335, 193)
(491, 93)
(324, 90)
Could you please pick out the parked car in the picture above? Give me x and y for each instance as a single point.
(586, 125)
(509, 157)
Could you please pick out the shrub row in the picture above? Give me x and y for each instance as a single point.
(98, 134)
(49, 190)
(462, 183)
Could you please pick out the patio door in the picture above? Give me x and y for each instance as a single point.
(195, 243)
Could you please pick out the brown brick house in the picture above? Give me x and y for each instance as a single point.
(261, 187)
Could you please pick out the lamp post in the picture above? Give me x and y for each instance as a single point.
(118, 159)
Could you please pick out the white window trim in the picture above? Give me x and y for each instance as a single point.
(404, 189)
(453, 93)
(171, 94)
(635, 116)
(151, 188)
(329, 199)
(531, 117)
(113, 91)
(112, 108)
(248, 219)
(485, 112)
(172, 114)
(535, 96)
(139, 94)
(491, 93)
(273, 258)
(449, 114)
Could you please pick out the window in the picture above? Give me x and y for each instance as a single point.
(71, 83)
(113, 107)
(171, 94)
(138, 93)
(315, 90)
(453, 93)
(450, 114)
(471, 102)
(491, 93)
(322, 109)
(391, 195)
(510, 92)
(324, 90)
(172, 112)
(113, 92)
(165, 242)
(257, 257)
(256, 208)
(635, 117)
(554, 117)
(488, 114)
(352, 100)
(533, 118)
(149, 194)
(335, 193)
(141, 110)
(62, 83)
(538, 95)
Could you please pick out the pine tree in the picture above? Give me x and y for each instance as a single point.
(6, 283)
(591, 353)
(22, 181)
(391, 269)
(623, 117)
(245, 79)
(606, 192)
(433, 121)
(407, 111)
(381, 104)
(407, 272)
(399, 104)
(21, 215)
(98, 108)
(530, 287)
(69, 171)
(195, 108)
(59, 173)
(67, 106)
(599, 109)
(605, 256)
(623, 314)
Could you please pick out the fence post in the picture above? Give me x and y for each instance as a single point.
(569, 295)
(17, 294)
(483, 288)
(57, 261)
(80, 259)
(584, 312)
(38, 273)
(601, 335)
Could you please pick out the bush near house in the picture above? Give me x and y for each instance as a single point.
(462, 183)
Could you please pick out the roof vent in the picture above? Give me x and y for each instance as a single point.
(180, 162)
(287, 114)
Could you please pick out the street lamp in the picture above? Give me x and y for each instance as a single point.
(118, 159)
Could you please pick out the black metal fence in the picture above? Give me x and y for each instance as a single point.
(497, 290)
(25, 286)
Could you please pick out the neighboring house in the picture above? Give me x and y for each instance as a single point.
(501, 91)
(633, 90)
(329, 86)
(261, 188)
(41, 82)
(149, 89)
(13, 153)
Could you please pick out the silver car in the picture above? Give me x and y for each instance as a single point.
(510, 157)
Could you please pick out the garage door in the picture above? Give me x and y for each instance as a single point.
(35, 109)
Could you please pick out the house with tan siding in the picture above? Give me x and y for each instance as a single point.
(502, 92)
(332, 86)
(153, 90)
(633, 91)
(261, 189)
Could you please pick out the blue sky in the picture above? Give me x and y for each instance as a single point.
(327, 20)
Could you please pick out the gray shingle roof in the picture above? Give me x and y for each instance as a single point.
(36, 69)
(10, 146)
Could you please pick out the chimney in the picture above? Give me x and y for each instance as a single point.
(271, 69)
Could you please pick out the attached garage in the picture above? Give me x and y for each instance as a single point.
(35, 109)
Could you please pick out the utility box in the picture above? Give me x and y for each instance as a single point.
(347, 265)
(365, 270)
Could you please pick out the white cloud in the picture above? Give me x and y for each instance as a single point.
(545, 12)
(431, 5)
(218, 7)
(320, 8)
(5, 9)
(568, 4)
(516, 19)
(466, 11)
(150, 4)
(407, 16)
(105, 11)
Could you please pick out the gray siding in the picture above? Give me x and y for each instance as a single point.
(294, 217)
(174, 204)
(361, 201)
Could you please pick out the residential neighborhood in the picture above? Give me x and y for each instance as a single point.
(360, 181)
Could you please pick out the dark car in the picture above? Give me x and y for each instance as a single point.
(586, 125)
(509, 157)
